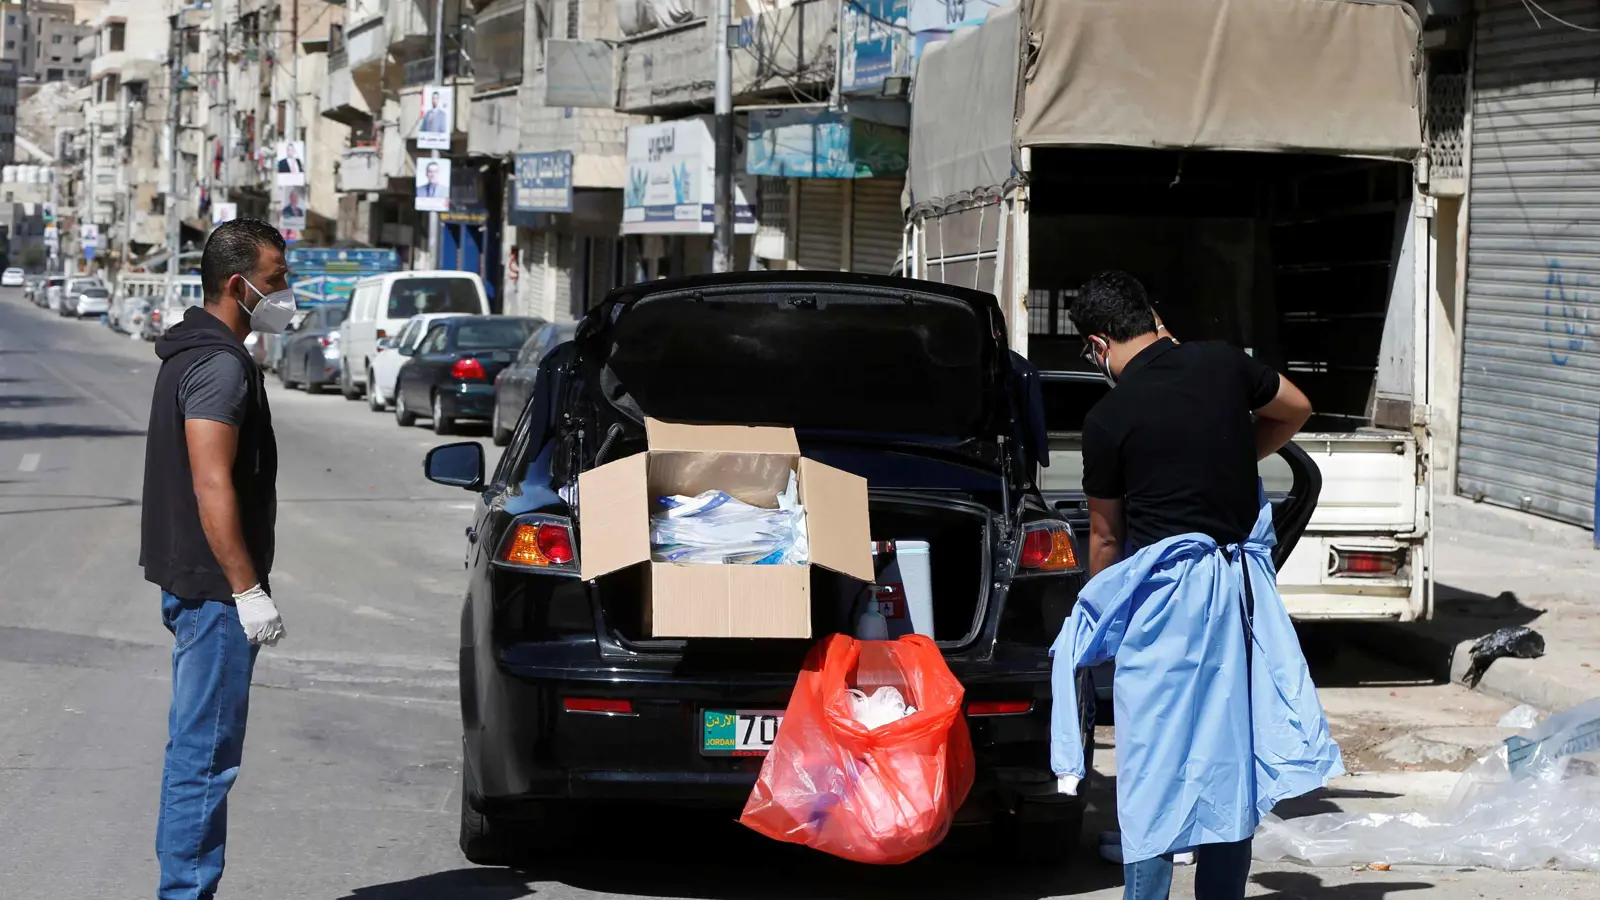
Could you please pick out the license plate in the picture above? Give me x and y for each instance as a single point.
(745, 732)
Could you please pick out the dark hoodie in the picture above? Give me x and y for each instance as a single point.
(174, 551)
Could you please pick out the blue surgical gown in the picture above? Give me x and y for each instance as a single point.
(1210, 734)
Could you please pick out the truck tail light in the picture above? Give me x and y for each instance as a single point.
(1355, 563)
(1047, 547)
(468, 369)
(541, 543)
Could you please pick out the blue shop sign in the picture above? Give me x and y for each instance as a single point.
(543, 185)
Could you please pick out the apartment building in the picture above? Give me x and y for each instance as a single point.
(125, 178)
(43, 39)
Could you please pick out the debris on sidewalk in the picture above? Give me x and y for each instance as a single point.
(1514, 641)
(1533, 802)
(1523, 717)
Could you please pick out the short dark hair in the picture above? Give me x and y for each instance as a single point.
(234, 248)
(1113, 304)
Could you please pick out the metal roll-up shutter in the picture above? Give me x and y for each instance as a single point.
(876, 225)
(1530, 374)
(820, 239)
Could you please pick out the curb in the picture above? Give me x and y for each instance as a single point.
(1459, 514)
(1441, 657)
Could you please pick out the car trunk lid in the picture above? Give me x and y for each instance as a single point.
(819, 352)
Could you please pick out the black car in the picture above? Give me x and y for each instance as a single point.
(565, 700)
(450, 375)
(311, 350)
(514, 385)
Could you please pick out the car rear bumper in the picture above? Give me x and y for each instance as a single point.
(526, 747)
(469, 401)
(91, 308)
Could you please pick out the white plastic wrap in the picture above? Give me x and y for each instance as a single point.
(882, 706)
(1534, 802)
(714, 527)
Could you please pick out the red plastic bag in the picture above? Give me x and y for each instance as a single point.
(882, 796)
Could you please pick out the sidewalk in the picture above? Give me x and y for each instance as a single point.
(1495, 568)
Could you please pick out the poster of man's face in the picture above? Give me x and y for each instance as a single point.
(433, 131)
(292, 207)
(433, 185)
(292, 163)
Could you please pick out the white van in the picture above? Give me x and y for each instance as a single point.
(381, 305)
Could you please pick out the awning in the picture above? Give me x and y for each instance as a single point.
(1319, 76)
(961, 126)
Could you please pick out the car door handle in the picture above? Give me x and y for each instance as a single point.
(472, 535)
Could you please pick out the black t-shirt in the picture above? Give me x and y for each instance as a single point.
(1175, 441)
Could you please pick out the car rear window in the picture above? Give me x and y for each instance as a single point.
(95, 292)
(416, 296)
(505, 334)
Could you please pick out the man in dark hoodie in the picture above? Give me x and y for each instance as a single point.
(210, 502)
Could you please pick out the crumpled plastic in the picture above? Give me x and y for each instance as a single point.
(714, 527)
(1534, 802)
(881, 795)
(882, 706)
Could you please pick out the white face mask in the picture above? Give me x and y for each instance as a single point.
(273, 311)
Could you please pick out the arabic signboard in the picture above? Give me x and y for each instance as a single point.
(543, 185)
(671, 187)
(882, 39)
(325, 276)
(821, 143)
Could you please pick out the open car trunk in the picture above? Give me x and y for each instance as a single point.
(959, 537)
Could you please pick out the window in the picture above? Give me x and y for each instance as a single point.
(414, 296)
(435, 341)
(116, 34)
(493, 334)
(11, 18)
(574, 18)
(497, 46)
(11, 45)
(55, 38)
(408, 334)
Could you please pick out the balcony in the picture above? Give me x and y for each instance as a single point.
(361, 169)
(106, 63)
(342, 98)
(366, 45)
(410, 25)
(795, 46)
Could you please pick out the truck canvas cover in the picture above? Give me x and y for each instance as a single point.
(1317, 76)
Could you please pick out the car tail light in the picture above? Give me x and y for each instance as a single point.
(999, 707)
(1368, 563)
(382, 334)
(540, 543)
(155, 315)
(326, 341)
(1047, 547)
(468, 369)
(598, 705)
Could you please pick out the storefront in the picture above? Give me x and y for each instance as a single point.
(469, 232)
(568, 254)
(1530, 368)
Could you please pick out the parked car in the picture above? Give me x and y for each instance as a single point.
(89, 301)
(272, 345)
(13, 277)
(32, 287)
(392, 353)
(73, 292)
(381, 305)
(311, 352)
(451, 374)
(564, 700)
(53, 285)
(514, 385)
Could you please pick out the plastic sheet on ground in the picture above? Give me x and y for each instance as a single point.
(1534, 802)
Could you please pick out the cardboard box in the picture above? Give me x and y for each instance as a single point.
(752, 464)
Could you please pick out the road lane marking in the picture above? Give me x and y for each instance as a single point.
(30, 462)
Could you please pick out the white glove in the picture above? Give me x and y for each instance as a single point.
(259, 616)
(1067, 784)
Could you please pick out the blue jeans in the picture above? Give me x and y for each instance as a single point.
(1221, 871)
(211, 665)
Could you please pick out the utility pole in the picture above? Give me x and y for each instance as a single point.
(227, 120)
(434, 259)
(293, 125)
(174, 229)
(722, 236)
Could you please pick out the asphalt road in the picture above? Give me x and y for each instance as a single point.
(350, 782)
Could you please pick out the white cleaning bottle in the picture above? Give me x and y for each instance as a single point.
(871, 625)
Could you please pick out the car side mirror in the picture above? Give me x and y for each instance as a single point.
(456, 465)
(409, 351)
(386, 344)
